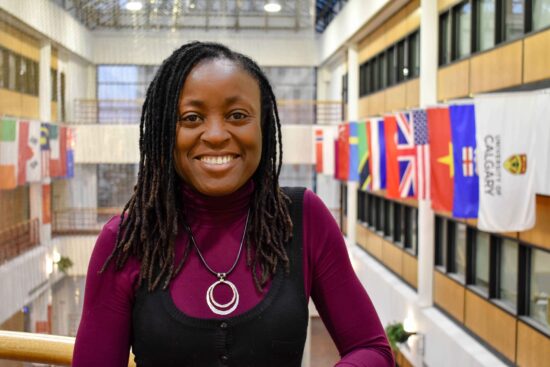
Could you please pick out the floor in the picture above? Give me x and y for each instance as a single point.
(323, 350)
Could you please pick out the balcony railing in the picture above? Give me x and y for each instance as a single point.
(39, 348)
(18, 238)
(118, 111)
(81, 220)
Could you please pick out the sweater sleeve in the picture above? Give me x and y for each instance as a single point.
(104, 333)
(340, 298)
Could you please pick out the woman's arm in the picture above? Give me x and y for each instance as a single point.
(103, 337)
(340, 298)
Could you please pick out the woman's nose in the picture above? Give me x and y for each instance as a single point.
(215, 132)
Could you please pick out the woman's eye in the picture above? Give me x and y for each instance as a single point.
(237, 116)
(190, 118)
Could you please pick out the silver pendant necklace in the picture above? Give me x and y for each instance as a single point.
(216, 307)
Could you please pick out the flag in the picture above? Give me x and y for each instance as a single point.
(401, 156)
(441, 158)
(330, 132)
(58, 151)
(364, 164)
(319, 150)
(70, 152)
(45, 149)
(29, 152)
(506, 154)
(466, 180)
(336, 144)
(343, 152)
(353, 174)
(421, 143)
(8, 154)
(377, 152)
(542, 145)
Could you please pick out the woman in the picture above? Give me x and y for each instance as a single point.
(214, 264)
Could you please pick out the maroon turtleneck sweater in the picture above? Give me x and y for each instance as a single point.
(217, 224)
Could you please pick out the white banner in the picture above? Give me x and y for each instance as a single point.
(506, 153)
(542, 145)
(330, 132)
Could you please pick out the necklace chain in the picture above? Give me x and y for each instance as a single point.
(217, 274)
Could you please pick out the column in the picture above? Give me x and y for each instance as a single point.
(428, 96)
(353, 115)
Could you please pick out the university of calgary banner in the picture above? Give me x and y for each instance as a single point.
(441, 158)
(506, 154)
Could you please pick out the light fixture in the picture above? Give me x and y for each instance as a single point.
(134, 5)
(56, 256)
(272, 6)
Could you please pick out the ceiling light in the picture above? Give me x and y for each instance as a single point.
(272, 7)
(134, 5)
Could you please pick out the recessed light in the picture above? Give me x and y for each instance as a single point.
(134, 5)
(272, 7)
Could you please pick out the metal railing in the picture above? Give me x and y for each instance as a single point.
(81, 220)
(119, 111)
(18, 238)
(39, 348)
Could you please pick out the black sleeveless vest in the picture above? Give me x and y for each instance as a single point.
(272, 333)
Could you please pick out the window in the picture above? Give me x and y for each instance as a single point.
(54, 84)
(372, 211)
(445, 39)
(458, 263)
(441, 239)
(413, 66)
(372, 76)
(463, 19)
(382, 70)
(508, 272)
(486, 16)
(411, 228)
(388, 220)
(541, 14)
(401, 62)
(380, 214)
(3, 68)
(539, 308)
(514, 13)
(399, 225)
(12, 84)
(481, 259)
(392, 67)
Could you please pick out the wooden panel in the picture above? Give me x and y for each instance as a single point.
(14, 206)
(376, 103)
(54, 111)
(54, 58)
(361, 235)
(363, 107)
(412, 93)
(533, 347)
(405, 21)
(536, 55)
(449, 295)
(374, 244)
(345, 225)
(443, 5)
(540, 234)
(410, 269)
(496, 69)
(395, 98)
(453, 81)
(19, 42)
(10, 103)
(29, 107)
(496, 327)
(392, 256)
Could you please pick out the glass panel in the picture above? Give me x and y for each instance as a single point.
(445, 40)
(391, 66)
(399, 223)
(3, 78)
(482, 241)
(413, 67)
(414, 221)
(401, 62)
(541, 14)
(486, 24)
(389, 219)
(372, 213)
(381, 216)
(459, 255)
(508, 272)
(540, 287)
(513, 18)
(441, 241)
(464, 20)
(12, 71)
(382, 70)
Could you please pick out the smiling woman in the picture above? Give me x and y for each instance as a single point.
(168, 278)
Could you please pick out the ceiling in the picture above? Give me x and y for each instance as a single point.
(236, 15)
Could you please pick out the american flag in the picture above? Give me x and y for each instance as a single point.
(420, 126)
(406, 155)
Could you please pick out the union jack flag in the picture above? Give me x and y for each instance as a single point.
(406, 155)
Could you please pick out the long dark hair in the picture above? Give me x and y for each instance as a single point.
(150, 220)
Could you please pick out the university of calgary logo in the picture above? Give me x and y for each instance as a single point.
(516, 164)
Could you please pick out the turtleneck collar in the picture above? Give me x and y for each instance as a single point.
(216, 209)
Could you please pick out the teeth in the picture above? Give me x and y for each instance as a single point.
(217, 160)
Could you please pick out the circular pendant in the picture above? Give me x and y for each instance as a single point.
(222, 308)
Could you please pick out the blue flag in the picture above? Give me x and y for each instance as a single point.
(353, 152)
(466, 179)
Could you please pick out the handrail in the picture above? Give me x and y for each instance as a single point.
(39, 348)
(18, 238)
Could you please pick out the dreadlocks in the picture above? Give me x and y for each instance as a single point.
(150, 220)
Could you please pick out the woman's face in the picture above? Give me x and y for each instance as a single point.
(218, 136)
